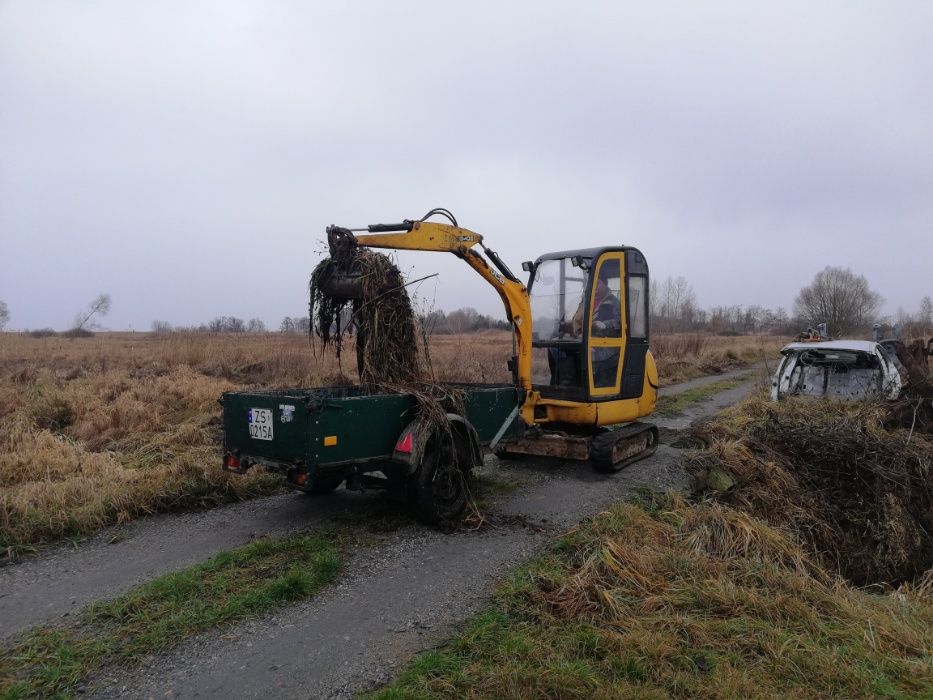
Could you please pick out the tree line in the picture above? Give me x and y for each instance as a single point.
(218, 324)
(837, 297)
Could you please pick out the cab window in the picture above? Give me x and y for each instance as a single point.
(606, 313)
(638, 306)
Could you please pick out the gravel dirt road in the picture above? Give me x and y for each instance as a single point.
(403, 594)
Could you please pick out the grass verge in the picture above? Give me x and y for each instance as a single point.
(684, 356)
(666, 599)
(676, 404)
(853, 487)
(53, 662)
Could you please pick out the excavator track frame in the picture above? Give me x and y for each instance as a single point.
(613, 450)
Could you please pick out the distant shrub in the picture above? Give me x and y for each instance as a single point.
(42, 333)
(77, 333)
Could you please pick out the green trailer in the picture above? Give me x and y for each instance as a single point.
(319, 438)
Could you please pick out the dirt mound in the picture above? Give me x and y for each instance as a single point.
(858, 494)
(915, 408)
(382, 316)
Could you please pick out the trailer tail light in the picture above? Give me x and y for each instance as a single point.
(404, 445)
(299, 478)
(231, 462)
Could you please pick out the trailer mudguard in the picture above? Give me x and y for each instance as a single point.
(410, 447)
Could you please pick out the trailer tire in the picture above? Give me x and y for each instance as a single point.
(439, 488)
(322, 487)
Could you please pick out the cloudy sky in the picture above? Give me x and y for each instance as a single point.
(186, 156)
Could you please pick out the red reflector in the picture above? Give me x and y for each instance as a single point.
(404, 445)
(231, 462)
(300, 479)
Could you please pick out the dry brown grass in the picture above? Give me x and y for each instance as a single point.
(100, 430)
(851, 487)
(103, 429)
(682, 356)
(671, 600)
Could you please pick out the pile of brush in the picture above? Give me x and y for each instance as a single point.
(854, 491)
(389, 357)
(915, 408)
(380, 311)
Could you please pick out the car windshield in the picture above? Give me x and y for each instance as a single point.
(838, 357)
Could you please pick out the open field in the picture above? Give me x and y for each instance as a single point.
(105, 429)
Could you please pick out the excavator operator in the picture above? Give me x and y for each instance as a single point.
(607, 322)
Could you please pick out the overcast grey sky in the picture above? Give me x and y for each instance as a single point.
(187, 156)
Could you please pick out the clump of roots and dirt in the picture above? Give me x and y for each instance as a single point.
(391, 352)
(371, 288)
(851, 487)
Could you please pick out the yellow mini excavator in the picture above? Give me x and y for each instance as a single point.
(580, 339)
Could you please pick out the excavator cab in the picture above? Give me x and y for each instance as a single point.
(589, 313)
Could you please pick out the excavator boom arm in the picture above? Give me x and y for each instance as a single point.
(432, 236)
(423, 235)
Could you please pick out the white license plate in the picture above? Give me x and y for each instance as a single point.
(260, 423)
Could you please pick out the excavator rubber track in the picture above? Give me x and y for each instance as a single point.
(613, 450)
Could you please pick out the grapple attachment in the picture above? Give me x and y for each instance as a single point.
(345, 285)
(345, 279)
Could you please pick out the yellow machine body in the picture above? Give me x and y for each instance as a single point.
(596, 405)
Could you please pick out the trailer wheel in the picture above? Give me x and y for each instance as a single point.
(439, 488)
(322, 487)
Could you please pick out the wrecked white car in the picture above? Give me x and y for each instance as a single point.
(853, 369)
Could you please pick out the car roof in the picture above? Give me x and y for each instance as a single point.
(868, 346)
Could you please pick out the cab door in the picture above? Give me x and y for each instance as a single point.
(617, 325)
(606, 325)
(636, 316)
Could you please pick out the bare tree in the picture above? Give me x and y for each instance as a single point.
(84, 321)
(925, 315)
(161, 327)
(226, 324)
(4, 315)
(462, 320)
(654, 299)
(839, 298)
(674, 305)
(255, 325)
(903, 318)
